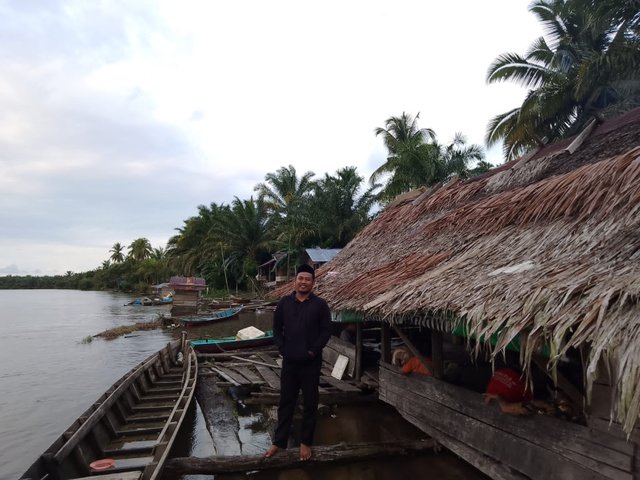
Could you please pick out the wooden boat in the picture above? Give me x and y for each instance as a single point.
(128, 433)
(151, 302)
(224, 344)
(216, 316)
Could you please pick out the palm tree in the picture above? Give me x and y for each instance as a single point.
(282, 192)
(286, 197)
(588, 68)
(193, 248)
(416, 158)
(455, 158)
(140, 249)
(411, 160)
(244, 232)
(340, 208)
(117, 253)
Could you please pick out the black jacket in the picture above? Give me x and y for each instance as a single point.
(301, 327)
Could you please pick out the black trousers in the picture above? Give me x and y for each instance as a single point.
(293, 378)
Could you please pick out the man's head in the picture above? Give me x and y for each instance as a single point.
(305, 277)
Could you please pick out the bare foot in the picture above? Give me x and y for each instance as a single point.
(305, 452)
(273, 449)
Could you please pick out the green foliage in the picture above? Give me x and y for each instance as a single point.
(587, 66)
(416, 158)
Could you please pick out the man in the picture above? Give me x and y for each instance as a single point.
(301, 329)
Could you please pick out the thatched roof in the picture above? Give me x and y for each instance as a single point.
(546, 249)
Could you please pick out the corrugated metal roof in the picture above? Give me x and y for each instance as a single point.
(322, 255)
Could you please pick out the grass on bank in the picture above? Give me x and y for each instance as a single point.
(116, 332)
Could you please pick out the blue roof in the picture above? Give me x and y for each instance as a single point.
(322, 255)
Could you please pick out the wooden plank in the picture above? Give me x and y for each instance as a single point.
(494, 469)
(505, 439)
(339, 384)
(255, 362)
(225, 376)
(232, 374)
(268, 359)
(608, 448)
(271, 378)
(247, 373)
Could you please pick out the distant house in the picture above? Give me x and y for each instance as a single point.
(316, 257)
(274, 271)
(278, 270)
(162, 289)
(187, 293)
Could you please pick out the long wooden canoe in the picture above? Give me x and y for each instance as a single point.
(216, 316)
(225, 344)
(129, 431)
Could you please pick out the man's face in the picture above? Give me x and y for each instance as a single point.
(304, 282)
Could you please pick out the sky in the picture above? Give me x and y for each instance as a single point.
(118, 118)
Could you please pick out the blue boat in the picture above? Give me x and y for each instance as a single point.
(216, 316)
(150, 302)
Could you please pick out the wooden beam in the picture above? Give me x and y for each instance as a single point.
(436, 354)
(385, 343)
(357, 373)
(322, 455)
(562, 382)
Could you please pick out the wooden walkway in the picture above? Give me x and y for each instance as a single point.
(259, 371)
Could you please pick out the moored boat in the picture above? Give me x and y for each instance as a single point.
(224, 344)
(151, 302)
(128, 432)
(212, 317)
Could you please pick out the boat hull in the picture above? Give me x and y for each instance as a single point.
(130, 429)
(230, 343)
(218, 316)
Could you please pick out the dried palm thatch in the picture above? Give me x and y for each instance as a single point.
(547, 250)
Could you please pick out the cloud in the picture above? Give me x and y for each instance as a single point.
(119, 118)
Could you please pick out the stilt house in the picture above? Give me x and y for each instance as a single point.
(187, 291)
(543, 250)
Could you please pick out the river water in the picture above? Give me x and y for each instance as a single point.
(49, 376)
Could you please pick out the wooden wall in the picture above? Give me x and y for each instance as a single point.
(500, 445)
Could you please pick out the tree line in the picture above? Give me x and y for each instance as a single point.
(585, 68)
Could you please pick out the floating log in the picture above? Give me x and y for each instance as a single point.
(219, 416)
(322, 455)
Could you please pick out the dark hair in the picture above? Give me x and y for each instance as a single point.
(307, 269)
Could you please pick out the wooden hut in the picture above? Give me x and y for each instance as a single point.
(187, 292)
(545, 250)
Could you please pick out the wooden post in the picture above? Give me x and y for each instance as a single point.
(385, 343)
(358, 368)
(436, 354)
